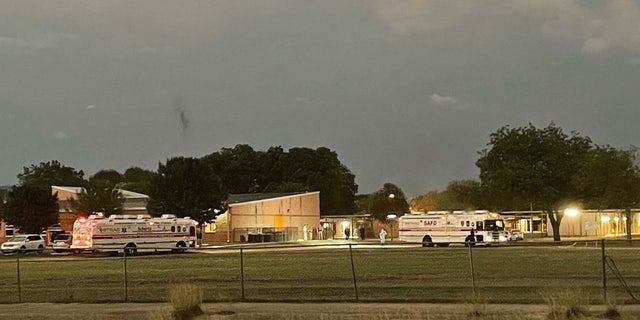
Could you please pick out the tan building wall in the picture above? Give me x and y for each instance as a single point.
(291, 214)
(598, 223)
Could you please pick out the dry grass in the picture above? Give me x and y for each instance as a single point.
(567, 303)
(186, 300)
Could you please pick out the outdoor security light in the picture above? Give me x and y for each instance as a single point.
(571, 212)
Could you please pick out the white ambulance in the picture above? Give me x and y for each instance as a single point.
(133, 233)
(444, 227)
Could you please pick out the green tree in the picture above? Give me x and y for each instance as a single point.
(187, 187)
(430, 201)
(389, 199)
(529, 166)
(137, 179)
(30, 208)
(99, 195)
(610, 179)
(244, 170)
(321, 170)
(237, 167)
(110, 176)
(50, 173)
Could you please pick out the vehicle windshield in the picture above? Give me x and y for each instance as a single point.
(64, 236)
(494, 225)
(18, 239)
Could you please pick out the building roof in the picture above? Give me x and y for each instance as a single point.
(252, 197)
(125, 193)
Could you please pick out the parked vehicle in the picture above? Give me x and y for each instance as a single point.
(61, 242)
(130, 233)
(443, 227)
(24, 243)
(515, 235)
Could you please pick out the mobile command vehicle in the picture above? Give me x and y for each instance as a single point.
(443, 228)
(130, 234)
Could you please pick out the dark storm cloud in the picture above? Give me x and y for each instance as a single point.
(404, 91)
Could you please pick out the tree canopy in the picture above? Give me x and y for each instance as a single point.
(533, 167)
(610, 179)
(50, 173)
(459, 195)
(30, 208)
(137, 179)
(388, 200)
(99, 195)
(187, 187)
(244, 170)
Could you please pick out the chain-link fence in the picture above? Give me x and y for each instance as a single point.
(604, 271)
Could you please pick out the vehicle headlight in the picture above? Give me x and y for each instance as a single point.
(503, 238)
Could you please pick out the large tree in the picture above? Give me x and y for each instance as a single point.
(137, 179)
(109, 176)
(30, 208)
(610, 179)
(50, 173)
(388, 200)
(99, 195)
(459, 195)
(321, 170)
(187, 187)
(244, 170)
(237, 167)
(533, 167)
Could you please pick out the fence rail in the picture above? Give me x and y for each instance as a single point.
(605, 270)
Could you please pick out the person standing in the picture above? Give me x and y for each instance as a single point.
(383, 236)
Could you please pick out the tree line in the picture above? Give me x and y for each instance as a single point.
(544, 169)
(521, 168)
(185, 186)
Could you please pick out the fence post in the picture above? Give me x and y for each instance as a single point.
(126, 285)
(242, 274)
(18, 273)
(353, 273)
(604, 273)
(473, 276)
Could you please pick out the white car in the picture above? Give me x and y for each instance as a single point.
(61, 242)
(24, 243)
(515, 235)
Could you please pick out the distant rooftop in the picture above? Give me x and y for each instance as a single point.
(250, 197)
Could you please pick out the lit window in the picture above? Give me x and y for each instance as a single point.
(210, 227)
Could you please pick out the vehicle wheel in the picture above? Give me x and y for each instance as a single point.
(470, 241)
(130, 250)
(22, 250)
(180, 248)
(40, 249)
(427, 242)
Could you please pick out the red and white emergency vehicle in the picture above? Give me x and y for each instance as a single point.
(133, 233)
(443, 228)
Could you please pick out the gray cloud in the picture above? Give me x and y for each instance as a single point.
(404, 91)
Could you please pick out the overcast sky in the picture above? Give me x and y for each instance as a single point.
(405, 92)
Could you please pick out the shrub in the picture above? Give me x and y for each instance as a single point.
(186, 300)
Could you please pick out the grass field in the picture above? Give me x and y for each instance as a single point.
(514, 274)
